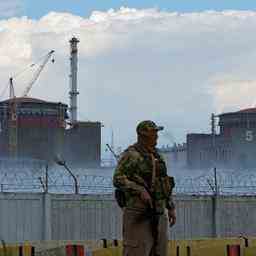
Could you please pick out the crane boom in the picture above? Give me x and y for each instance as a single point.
(37, 73)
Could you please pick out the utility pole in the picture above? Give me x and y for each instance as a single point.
(215, 207)
(46, 177)
(215, 217)
(213, 129)
(63, 163)
(216, 189)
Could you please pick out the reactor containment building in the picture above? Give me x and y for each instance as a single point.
(38, 129)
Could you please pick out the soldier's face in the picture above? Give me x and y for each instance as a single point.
(152, 137)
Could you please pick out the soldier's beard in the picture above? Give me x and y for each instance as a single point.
(148, 142)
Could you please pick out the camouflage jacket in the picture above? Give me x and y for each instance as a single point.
(133, 175)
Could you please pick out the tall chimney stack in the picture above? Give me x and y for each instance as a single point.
(73, 80)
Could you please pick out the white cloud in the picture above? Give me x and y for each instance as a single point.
(10, 8)
(234, 94)
(140, 64)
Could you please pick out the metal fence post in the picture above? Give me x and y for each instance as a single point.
(215, 207)
(46, 177)
(47, 220)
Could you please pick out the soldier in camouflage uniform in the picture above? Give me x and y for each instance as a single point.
(142, 175)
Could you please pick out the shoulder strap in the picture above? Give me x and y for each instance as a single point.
(143, 154)
(153, 181)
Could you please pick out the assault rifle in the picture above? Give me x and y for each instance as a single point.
(151, 212)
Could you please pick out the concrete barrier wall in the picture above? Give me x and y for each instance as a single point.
(21, 217)
(194, 218)
(81, 217)
(87, 218)
(236, 216)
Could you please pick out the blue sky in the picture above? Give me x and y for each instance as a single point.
(37, 9)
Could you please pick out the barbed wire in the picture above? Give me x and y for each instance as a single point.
(31, 176)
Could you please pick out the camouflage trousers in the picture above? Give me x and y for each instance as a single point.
(138, 237)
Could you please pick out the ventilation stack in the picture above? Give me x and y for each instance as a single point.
(73, 80)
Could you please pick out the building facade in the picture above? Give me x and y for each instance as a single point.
(175, 156)
(33, 128)
(233, 147)
(83, 145)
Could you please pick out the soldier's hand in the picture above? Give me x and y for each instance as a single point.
(146, 198)
(172, 216)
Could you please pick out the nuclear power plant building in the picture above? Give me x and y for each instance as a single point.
(34, 128)
(232, 147)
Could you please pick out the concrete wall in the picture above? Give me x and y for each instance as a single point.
(85, 218)
(21, 217)
(80, 217)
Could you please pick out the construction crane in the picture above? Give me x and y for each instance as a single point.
(13, 118)
(37, 73)
(34, 78)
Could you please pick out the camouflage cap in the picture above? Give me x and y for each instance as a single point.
(148, 125)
